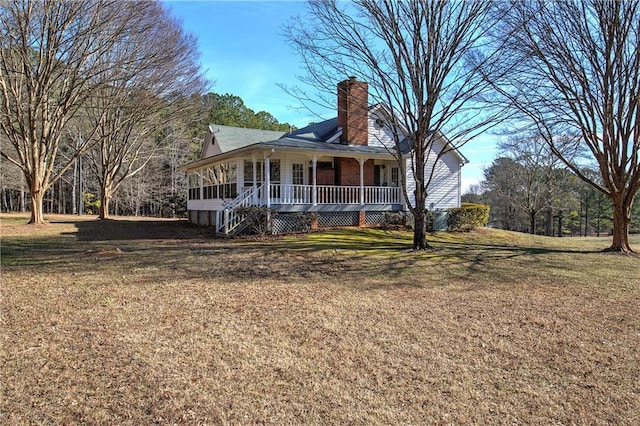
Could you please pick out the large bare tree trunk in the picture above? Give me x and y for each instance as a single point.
(419, 232)
(105, 199)
(414, 55)
(572, 70)
(59, 56)
(621, 221)
(532, 223)
(37, 213)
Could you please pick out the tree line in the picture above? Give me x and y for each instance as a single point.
(158, 187)
(101, 103)
(530, 190)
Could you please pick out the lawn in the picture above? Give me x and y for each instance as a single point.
(139, 321)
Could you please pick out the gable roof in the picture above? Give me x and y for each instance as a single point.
(322, 137)
(227, 138)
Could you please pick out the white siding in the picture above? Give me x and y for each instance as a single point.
(210, 147)
(213, 204)
(444, 190)
(382, 137)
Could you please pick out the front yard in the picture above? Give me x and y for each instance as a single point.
(148, 321)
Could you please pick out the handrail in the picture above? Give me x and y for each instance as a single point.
(227, 219)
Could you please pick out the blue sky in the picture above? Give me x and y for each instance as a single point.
(245, 53)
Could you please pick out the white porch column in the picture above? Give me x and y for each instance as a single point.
(255, 170)
(401, 179)
(315, 180)
(361, 161)
(267, 179)
(255, 181)
(240, 183)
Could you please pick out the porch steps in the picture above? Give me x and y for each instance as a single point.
(229, 223)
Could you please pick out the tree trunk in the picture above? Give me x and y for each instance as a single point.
(532, 223)
(37, 214)
(420, 225)
(419, 231)
(22, 200)
(560, 224)
(105, 198)
(621, 221)
(74, 205)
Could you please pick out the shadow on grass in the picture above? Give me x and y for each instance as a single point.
(166, 250)
(372, 241)
(131, 229)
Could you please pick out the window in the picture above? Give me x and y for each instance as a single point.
(395, 176)
(248, 172)
(219, 181)
(298, 174)
(194, 186)
(209, 183)
(274, 168)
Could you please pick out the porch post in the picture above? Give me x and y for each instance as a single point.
(402, 179)
(361, 161)
(315, 181)
(255, 181)
(267, 179)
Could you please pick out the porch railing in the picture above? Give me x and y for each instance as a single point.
(329, 194)
(227, 219)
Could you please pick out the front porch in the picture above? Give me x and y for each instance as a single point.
(289, 198)
(286, 182)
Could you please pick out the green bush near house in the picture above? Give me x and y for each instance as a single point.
(395, 219)
(467, 217)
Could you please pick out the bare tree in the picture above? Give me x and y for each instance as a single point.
(161, 71)
(501, 193)
(535, 187)
(50, 52)
(413, 55)
(572, 69)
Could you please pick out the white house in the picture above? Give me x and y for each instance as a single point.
(341, 169)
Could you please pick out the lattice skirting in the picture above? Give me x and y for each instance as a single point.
(288, 223)
(337, 219)
(374, 218)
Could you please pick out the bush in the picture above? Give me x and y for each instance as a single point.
(394, 220)
(468, 217)
(257, 219)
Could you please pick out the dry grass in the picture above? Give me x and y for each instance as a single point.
(145, 321)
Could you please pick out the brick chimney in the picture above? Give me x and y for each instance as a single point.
(353, 111)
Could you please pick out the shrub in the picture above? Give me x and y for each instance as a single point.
(469, 216)
(394, 219)
(257, 219)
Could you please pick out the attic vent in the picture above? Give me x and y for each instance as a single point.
(379, 123)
